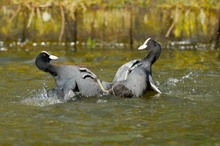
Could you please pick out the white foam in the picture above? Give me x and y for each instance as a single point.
(40, 98)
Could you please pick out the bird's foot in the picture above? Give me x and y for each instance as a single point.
(89, 76)
(88, 73)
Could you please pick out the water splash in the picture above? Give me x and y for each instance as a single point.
(185, 86)
(186, 76)
(40, 98)
(195, 86)
(172, 81)
(175, 81)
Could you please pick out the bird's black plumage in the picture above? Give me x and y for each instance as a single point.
(136, 75)
(134, 78)
(68, 78)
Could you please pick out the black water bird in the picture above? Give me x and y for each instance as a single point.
(134, 78)
(68, 78)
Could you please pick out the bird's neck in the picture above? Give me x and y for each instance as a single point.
(47, 67)
(51, 69)
(153, 55)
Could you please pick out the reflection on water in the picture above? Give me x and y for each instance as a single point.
(187, 112)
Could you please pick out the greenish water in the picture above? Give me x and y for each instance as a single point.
(186, 113)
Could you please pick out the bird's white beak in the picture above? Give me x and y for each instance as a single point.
(52, 57)
(142, 47)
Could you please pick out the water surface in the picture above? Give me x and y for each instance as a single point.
(186, 113)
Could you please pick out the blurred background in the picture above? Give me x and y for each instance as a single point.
(104, 22)
(98, 34)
